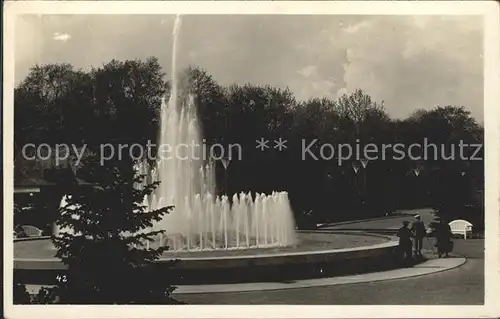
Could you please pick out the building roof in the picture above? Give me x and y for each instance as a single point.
(48, 177)
(27, 181)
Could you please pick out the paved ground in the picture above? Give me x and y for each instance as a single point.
(462, 285)
(390, 223)
(429, 266)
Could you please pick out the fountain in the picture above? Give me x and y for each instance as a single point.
(201, 220)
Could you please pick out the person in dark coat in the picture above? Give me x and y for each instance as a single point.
(443, 238)
(404, 234)
(419, 232)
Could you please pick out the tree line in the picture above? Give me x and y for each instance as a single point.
(120, 102)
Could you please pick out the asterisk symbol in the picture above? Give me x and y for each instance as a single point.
(280, 144)
(262, 144)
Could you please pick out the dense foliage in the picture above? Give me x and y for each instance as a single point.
(120, 102)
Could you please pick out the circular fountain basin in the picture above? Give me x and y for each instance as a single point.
(316, 254)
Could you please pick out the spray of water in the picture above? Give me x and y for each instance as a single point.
(201, 220)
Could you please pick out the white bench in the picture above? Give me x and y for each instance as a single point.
(460, 226)
(31, 231)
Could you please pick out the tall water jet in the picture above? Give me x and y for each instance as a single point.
(201, 220)
(179, 173)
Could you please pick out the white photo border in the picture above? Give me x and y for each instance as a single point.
(488, 9)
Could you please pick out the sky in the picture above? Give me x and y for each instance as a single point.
(409, 62)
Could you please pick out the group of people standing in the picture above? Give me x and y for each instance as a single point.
(417, 231)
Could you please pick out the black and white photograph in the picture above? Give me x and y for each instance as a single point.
(210, 153)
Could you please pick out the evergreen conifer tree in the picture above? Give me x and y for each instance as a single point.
(104, 249)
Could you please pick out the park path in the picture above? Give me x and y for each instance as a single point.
(385, 223)
(457, 286)
(430, 266)
(463, 285)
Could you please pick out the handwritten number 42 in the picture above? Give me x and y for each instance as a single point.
(61, 278)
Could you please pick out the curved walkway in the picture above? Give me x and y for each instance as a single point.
(425, 268)
(463, 285)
